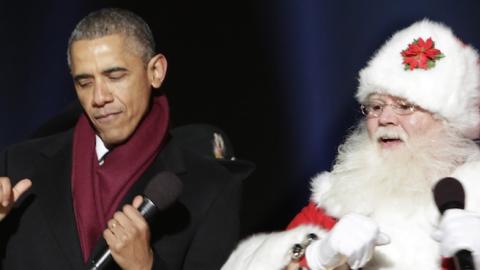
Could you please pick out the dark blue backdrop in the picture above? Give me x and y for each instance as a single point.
(278, 76)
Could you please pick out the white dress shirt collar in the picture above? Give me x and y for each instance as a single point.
(101, 149)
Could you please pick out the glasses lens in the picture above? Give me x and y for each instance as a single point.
(403, 108)
(374, 109)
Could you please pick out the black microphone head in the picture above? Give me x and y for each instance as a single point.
(448, 193)
(163, 189)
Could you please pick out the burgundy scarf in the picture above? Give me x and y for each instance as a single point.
(98, 190)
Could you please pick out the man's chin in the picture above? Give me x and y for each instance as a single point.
(111, 140)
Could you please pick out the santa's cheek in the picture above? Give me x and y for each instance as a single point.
(414, 125)
(419, 124)
(413, 122)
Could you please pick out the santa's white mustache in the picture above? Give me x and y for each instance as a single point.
(390, 133)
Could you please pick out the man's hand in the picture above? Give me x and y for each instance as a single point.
(9, 195)
(459, 229)
(352, 240)
(128, 237)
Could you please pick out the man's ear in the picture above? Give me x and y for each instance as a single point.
(156, 69)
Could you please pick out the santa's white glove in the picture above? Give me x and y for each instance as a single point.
(459, 229)
(351, 240)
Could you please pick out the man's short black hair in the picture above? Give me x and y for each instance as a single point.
(109, 21)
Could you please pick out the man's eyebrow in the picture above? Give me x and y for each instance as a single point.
(114, 69)
(105, 72)
(82, 76)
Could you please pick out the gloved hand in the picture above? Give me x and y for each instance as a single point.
(459, 229)
(351, 240)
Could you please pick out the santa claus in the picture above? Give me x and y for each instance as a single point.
(420, 94)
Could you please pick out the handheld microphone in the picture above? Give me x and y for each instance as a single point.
(161, 192)
(449, 194)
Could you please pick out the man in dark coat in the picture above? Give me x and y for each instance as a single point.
(68, 197)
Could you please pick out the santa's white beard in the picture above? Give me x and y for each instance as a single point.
(368, 179)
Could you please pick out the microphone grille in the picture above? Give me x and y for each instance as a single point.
(163, 189)
(448, 193)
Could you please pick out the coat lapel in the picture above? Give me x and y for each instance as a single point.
(55, 197)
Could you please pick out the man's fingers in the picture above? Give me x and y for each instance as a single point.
(109, 237)
(122, 219)
(22, 186)
(9, 194)
(137, 201)
(133, 213)
(136, 219)
(5, 191)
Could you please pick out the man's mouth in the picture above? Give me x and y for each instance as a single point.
(106, 117)
(389, 141)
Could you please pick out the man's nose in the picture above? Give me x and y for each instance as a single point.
(388, 116)
(101, 95)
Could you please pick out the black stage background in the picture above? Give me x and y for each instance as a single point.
(277, 76)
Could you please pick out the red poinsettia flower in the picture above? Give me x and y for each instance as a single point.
(421, 54)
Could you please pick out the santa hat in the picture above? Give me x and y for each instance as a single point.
(429, 66)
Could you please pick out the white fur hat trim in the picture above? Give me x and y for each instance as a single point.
(450, 89)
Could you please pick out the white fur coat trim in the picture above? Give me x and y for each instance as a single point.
(412, 246)
(268, 251)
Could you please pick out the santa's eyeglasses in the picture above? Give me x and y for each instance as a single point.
(374, 109)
